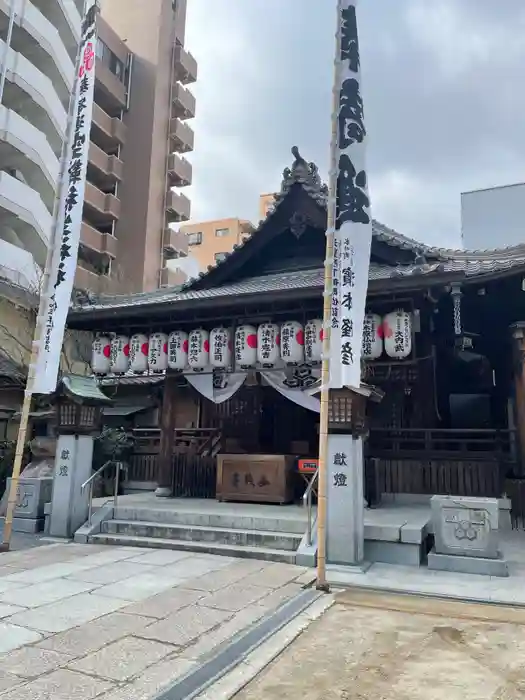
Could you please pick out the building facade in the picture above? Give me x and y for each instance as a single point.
(209, 242)
(138, 136)
(157, 139)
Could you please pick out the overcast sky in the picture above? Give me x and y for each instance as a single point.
(443, 90)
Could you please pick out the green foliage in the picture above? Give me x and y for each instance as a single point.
(112, 445)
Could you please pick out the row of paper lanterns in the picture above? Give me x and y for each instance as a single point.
(391, 334)
(266, 346)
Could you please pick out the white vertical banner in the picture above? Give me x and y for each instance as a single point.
(57, 294)
(353, 222)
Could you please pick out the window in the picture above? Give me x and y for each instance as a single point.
(195, 238)
(221, 232)
(219, 257)
(108, 58)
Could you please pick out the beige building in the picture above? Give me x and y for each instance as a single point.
(209, 241)
(138, 140)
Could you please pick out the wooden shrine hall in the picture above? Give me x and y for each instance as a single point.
(219, 377)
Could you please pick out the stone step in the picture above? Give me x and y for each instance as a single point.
(199, 533)
(229, 517)
(228, 550)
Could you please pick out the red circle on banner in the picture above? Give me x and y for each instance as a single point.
(165, 348)
(206, 346)
(299, 336)
(321, 335)
(125, 350)
(384, 331)
(107, 351)
(144, 348)
(277, 339)
(251, 340)
(185, 346)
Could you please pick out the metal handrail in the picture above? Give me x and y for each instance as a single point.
(307, 502)
(89, 482)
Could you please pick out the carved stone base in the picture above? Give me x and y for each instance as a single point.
(163, 492)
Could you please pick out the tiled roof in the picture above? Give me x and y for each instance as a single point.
(313, 279)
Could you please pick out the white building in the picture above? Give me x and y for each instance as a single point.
(38, 46)
(493, 218)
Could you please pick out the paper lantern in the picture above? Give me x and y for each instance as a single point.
(372, 337)
(220, 348)
(178, 350)
(119, 359)
(158, 353)
(198, 350)
(397, 333)
(292, 343)
(138, 353)
(313, 341)
(268, 341)
(101, 355)
(246, 346)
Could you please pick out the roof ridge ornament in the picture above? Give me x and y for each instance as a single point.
(305, 174)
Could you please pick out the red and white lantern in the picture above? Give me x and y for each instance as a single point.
(313, 341)
(220, 348)
(292, 343)
(158, 353)
(138, 353)
(119, 359)
(246, 346)
(372, 337)
(268, 342)
(178, 350)
(397, 332)
(198, 350)
(101, 355)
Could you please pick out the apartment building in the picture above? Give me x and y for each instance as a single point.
(138, 137)
(158, 137)
(38, 47)
(210, 241)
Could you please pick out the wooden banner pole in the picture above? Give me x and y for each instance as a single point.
(327, 317)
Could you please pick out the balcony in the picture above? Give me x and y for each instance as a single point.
(178, 207)
(103, 243)
(87, 280)
(183, 102)
(109, 166)
(185, 66)
(172, 278)
(111, 129)
(105, 207)
(182, 136)
(180, 171)
(175, 243)
(110, 92)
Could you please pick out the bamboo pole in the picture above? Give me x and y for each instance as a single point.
(327, 316)
(35, 345)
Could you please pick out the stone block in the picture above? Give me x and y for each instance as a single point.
(393, 553)
(28, 525)
(468, 564)
(465, 526)
(32, 494)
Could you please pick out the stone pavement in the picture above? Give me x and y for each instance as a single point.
(370, 646)
(85, 621)
(21, 540)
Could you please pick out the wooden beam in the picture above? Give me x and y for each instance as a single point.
(518, 337)
(167, 436)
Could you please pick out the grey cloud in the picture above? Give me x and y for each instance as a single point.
(441, 83)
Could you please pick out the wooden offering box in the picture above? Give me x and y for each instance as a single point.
(255, 478)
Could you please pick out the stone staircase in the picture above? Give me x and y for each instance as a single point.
(236, 531)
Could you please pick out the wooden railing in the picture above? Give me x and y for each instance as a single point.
(194, 476)
(441, 443)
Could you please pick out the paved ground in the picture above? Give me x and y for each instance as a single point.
(84, 621)
(20, 540)
(375, 647)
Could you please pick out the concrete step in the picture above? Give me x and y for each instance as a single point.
(198, 533)
(229, 517)
(229, 550)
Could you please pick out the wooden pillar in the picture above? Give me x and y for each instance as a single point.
(167, 436)
(518, 335)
